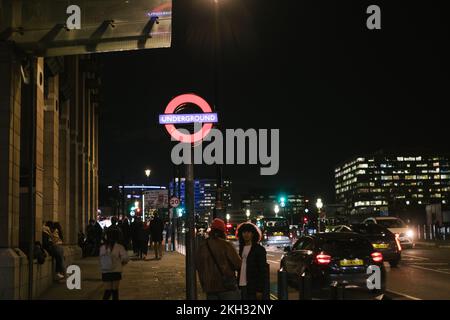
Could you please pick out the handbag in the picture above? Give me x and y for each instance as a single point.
(106, 262)
(229, 282)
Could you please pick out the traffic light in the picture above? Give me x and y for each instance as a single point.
(282, 201)
(305, 220)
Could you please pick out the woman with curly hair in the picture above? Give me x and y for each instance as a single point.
(253, 276)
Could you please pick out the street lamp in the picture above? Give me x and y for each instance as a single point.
(228, 217)
(276, 209)
(247, 213)
(148, 172)
(319, 205)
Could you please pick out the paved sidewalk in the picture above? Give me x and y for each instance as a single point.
(434, 243)
(141, 280)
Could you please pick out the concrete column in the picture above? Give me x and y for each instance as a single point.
(51, 151)
(95, 153)
(10, 112)
(39, 188)
(64, 173)
(81, 151)
(74, 211)
(88, 159)
(13, 275)
(10, 103)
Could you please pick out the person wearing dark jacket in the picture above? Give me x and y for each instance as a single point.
(141, 239)
(134, 236)
(217, 262)
(253, 275)
(126, 233)
(156, 233)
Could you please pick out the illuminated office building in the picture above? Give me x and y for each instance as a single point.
(388, 182)
(205, 195)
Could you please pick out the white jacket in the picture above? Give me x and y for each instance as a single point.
(119, 257)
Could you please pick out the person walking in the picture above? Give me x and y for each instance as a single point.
(253, 276)
(113, 257)
(156, 233)
(141, 239)
(126, 233)
(134, 227)
(217, 263)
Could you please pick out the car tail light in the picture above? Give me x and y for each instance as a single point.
(397, 241)
(377, 256)
(323, 259)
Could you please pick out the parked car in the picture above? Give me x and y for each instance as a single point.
(396, 226)
(381, 238)
(341, 257)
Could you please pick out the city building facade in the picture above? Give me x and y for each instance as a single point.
(291, 205)
(392, 182)
(48, 160)
(204, 194)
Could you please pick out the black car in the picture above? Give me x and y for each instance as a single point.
(333, 257)
(381, 238)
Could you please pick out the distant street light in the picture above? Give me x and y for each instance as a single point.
(319, 205)
(247, 213)
(276, 210)
(228, 217)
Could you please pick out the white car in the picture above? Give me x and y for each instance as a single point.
(396, 226)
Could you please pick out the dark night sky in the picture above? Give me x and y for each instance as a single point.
(310, 68)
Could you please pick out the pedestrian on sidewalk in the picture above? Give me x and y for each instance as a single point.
(144, 238)
(126, 233)
(253, 276)
(156, 232)
(168, 236)
(217, 263)
(113, 257)
(114, 225)
(134, 230)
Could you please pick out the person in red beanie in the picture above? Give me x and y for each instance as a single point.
(217, 263)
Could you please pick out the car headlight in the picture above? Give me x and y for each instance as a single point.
(409, 233)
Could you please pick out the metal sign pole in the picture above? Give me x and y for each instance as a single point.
(191, 279)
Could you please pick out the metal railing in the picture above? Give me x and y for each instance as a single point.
(432, 232)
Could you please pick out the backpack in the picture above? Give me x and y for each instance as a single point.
(106, 261)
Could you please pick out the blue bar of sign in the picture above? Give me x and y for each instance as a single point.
(188, 118)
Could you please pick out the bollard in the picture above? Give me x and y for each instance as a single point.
(419, 235)
(305, 287)
(282, 285)
(333, 290)
(267, 288)
(341, 291)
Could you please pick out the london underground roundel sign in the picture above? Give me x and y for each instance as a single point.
(169, 119)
